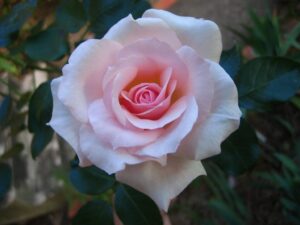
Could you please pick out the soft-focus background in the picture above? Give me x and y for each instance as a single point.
(262, 185)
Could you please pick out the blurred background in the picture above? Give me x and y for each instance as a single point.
(36, 38)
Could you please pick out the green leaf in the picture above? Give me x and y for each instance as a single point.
(105, 13)
(40, 111)
(48, 45)
(40, 107)
(40, 140)
(231, 61)
(5, 179)
(288, 163)
(267, 79)
(13, 21)
(5, 107)
(239, 152)
(291, 39)
(135, 208)
(8, 66)
(95, 212)
(70, 15)
(90, 180)
(226, 212)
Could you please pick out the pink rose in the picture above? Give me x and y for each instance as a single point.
(148, 102)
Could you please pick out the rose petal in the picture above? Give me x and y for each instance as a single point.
(173, 135)
(174, 112)
(110, 131)
(65, 124)
(202, 35)
(162, 183)
(160, 57)
(114, 88)
(138, 108)
(207, 136)
(202, 82)
(102, 155)
(82, 76)
(157, 111)
(128, 30)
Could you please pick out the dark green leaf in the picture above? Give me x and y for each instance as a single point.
(40, 140)
(105, 13)
(135, 208)
(5, 107)
(5, 179)
(239, 152)
(13, 21)
(231, 61)
(226, 212)
(267, 79)
(47, 45)
(70, 15)
(40, 107)
(90, 180)
(95, 212)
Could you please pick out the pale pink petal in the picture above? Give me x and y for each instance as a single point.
(109, 130)
(173, 113)
(170, 140)
(162, 183)
(128, 30)
(202, 82)
(82, 76)
(160, 57)
(113, 90)
(202, 35)
(102, 155)
(65, 124)
(206, 137)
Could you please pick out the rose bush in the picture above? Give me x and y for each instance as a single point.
(148, 101)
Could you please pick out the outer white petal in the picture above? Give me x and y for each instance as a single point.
(83, 75)
(101, 154)
(128, 30)
(224, 118)
(162, 183)
(202, 35)
(65, 124)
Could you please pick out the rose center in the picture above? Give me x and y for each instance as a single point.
(144, 93)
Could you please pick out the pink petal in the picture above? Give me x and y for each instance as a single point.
(113, 89)
(157, 111)
(82, 76)
(202, 82)
(170, 140)
(202, 35)
(224, 118)
(109, 130)
(162, 183)
(160, 57)
(139, 108)
(173, 113)
(65, 124)
(102, 155)
(128, 30)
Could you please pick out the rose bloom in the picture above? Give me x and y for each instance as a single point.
(148, 101)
